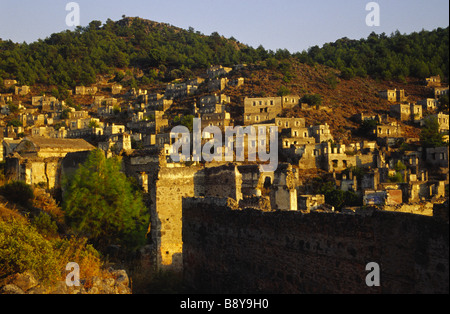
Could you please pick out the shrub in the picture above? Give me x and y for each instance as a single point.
(22, 249)
(283, 91)
(347, 74)
(366, 129)
(396, 178)
(430, 136)
(18, 192)
(332, 81)
(44, 223)
(312, 99)
(79, 251)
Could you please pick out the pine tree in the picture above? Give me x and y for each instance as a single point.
(430, 135)
(101, 204)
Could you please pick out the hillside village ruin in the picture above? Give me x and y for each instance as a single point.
(50, 138)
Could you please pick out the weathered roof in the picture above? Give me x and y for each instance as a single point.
(41, 143)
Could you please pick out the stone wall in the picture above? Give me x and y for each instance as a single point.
(34, 170)
(168, 186)
(425, 208)
(47, 171)
(250, 251)
(167, 192)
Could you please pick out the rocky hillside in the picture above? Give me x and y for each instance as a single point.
(112, 282)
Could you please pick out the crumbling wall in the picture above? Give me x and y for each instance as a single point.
(170, 187)
(283, 195)
(34, 171)
(250, 251)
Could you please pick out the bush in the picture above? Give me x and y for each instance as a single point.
(347, 74)
(312, 99)
(366, 129)
(18, 192)
(283, 91)
(332, 81)
(15, 123)
(44, 223)
(79, 251)
(335, 196)
(396, 178)
(22, 249)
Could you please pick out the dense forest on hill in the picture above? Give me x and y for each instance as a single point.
(418, 55)
(164, 52)
(159, 50)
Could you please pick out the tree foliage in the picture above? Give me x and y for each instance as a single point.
(430, 136)
(71, 58)
(312, 99)
(419, 55)
(443, 104)
(101, 203)
(335, 196)
(24, 248)
(366, 128)
(75, 57)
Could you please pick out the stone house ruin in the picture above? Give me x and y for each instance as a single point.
(116, 89)
(86, 90)
(8, 83)
(178, 90)
(257, 110)
(407, 112)
(429, 104)
(393, 95)
(5, 98)
(217, 70)
(442, 119)
(22, 90)
(433, 81)
(437, 157)
(388, 130)
(212, 104)
(440, 91)
(37, 160)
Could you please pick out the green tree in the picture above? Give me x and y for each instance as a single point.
(366, 129)
(347, 74)
(188, 121)
(93, 124)
(335, 196)
(443, 103)
(101, 203)
(283, 91)
(332, 81)
(13, 108)
(312, 99)
(430, 135)
(65, 114)
(400, 166)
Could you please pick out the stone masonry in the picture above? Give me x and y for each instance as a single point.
(229, 250)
